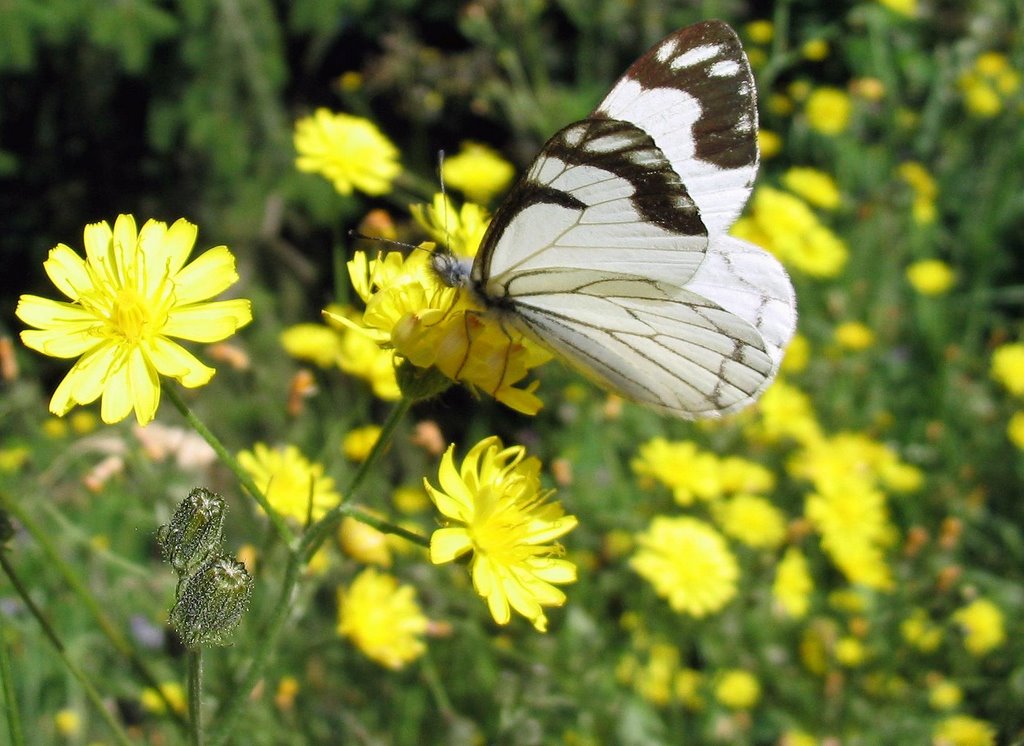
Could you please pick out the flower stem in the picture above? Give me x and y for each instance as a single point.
(51, 635)
(319, 531)
(85, 596)
(195, 695)
(283, 532)
(14, 730)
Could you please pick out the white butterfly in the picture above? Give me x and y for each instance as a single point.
(612, 249)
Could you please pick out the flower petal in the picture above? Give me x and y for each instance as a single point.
(44, 313)
(448, 543)
(117, 397)
(174, 361)
(97, 239)
(178, 243)
(212, 272)
(67, 271)
(85, 381)
(144, 386)
(60, 343)
(208, 322)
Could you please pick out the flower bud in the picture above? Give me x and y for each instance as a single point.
(212, 602)
(195, 532)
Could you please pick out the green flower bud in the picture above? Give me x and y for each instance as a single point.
(420, 383)
(212, 602)
(195, 533)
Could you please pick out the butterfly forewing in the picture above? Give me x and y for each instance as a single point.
(694, 94)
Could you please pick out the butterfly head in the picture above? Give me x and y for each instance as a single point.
(451, 270)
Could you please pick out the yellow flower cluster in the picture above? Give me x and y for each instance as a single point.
(348, 151)
(693, 474)
(662, 680)
(989, 84)
(983, 626)
(382, 618)
(963, 730)
(785, 225)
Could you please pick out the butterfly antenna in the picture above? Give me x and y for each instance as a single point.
(380, 239)
(444, 198)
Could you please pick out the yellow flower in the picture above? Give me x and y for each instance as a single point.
(982, 625)
(849, 652)
(828, 110)
(382, 618)
(785, 225)
(737, 689)
(906, 8)
(798, 355)
(293, 485)
(429, 324)
(131, 294)
(854, 336)
(925, 191)
(317, 343)
(688, 563)
(988, 84)
(498, 511)
(654, 682)
(963, 730)
(931, 276)
(817, 187)
(921, 632)
(13, 458)
(751, 520)
(815, 50)
(478, 172)
(67, 722)
(172, 691)
(460, 230)
(944, 694)
(760, 31)
(348, 151)
(364, 543)
(769, 143)
(1008, 367)
(785, 412)
(793, 585)
(358, 443)
(1015, 429)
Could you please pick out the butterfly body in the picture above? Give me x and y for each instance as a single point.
(612, 248)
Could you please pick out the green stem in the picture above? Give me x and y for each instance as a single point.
(85, 597)
(54, 640)
(319, 531)
(195, 695)
(231, 462)
(297, 556)
(14, 730)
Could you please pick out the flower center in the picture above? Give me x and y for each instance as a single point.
(131, 318)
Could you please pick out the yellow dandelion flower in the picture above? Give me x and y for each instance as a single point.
(131, 294)
(738, 475)
(944, 694)
(815, 50)
(358, 443)
(817, 187)
(409, 310)
(737, 689)
(690, 473)
(963, 730)
(931, 276)
(784, 412)
(1008, 367)
(921, 632)
(988, 84)
(982, 625)
(760, 31)
(498, 511)
(364, 543)
(854, 336)
(1015, 429)
(348, 151)
(173, 692)
(906, 8)
(460, 230)
(850, 652)
(793, 585)
(752, 520)
(798, 355)
(382, 618)
(293, 485)
(688, 563)
(769, 143)
(828, 110)
(68, 723)
(478, 171)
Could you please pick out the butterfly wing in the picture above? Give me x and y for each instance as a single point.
(606, 253)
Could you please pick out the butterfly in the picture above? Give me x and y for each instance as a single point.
(612, 249)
